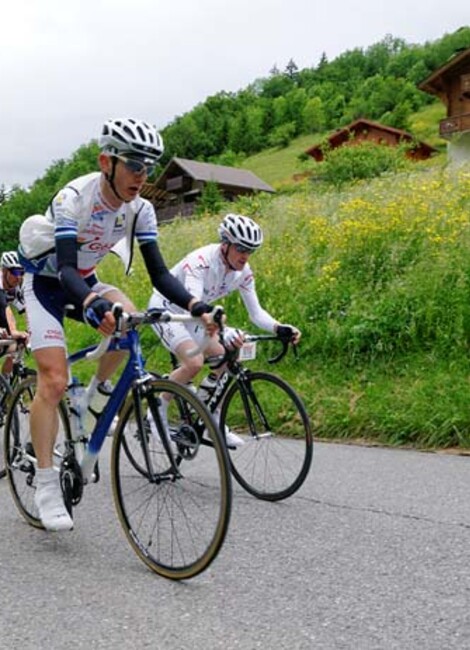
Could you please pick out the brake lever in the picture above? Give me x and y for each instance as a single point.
(283, 352)
(118, 312)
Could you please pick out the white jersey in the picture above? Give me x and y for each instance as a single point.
(204, 274)
(98, 230)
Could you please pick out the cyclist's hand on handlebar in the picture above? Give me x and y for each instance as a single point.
(199, 308)
(285, 331)
(233, 338)
(204, 311)
(99, 315)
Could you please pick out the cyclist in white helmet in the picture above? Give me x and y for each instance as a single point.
(60, 251)
(11, 295)
(210, 273)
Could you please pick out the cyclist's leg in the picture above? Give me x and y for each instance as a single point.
(45, 307)
(19, 454)
(52, 382)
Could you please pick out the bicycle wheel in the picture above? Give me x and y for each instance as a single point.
(174, 506)
(277, 452)
(19, 454)
(5, 391)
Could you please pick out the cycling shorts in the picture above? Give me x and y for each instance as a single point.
(47, 304)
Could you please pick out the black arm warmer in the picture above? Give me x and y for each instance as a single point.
(3, 311)
(161, 277)
(70, 279)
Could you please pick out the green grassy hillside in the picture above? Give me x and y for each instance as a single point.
(277, 166)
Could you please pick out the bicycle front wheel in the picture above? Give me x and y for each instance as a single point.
(5, 392)
(19, 453)
(172, 491)
(269, 416)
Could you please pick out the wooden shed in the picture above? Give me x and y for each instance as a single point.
(363, 130)
(451, 83)
(180, 184)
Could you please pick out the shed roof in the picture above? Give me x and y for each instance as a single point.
(343, 134)
(458, 62)
(221, 174)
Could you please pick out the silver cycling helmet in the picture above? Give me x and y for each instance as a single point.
(131, 137)
(237, 229)
(10, 260)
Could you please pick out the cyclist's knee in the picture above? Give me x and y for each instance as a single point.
(194, 364)
(52, 376)
(51, 386)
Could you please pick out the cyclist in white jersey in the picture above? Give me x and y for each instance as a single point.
(11, 295)
(210, 273)
(86, 219)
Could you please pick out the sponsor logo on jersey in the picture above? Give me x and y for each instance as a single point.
(119, 223)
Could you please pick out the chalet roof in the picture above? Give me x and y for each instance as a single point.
(343, 134)
(458, 63)
(202, 171)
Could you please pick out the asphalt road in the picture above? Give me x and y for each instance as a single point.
(372, 553)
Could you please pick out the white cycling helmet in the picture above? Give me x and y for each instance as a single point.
(237, 229)
(132, 137)
(9, 260)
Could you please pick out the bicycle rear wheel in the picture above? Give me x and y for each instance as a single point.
(266, 412)
(19, 453)
(5, 392)
(174, 506)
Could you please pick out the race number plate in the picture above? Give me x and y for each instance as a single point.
(248, 351)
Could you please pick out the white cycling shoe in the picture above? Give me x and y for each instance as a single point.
(232, 439)
(50, 504)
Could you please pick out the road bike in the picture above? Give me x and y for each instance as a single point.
(172, 496)
(17, 351)
(269, 417)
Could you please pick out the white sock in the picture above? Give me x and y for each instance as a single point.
(91, 388)
(46, 475)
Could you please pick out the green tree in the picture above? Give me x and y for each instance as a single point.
(211, 200)
(282, 135)
(292, 69)
(313, 116)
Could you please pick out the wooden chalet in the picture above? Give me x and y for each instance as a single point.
(451, 83)
(176, 190)
(363, 130)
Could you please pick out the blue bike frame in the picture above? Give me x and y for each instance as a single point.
(134, 369)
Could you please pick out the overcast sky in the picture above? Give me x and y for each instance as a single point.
(67, 65)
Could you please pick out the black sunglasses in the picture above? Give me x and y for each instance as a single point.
(18, 273)
(136, 166)
(243, 249)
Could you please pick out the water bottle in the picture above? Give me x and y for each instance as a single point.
(77, 397)
(207, 387)
(96, 402)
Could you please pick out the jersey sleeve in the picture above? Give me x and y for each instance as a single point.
(257, 314)
(146, 226)
(65, 212)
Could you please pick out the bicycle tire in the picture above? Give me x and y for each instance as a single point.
(274, 460)
(175, 517)
(5, 392)
(19, 454)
